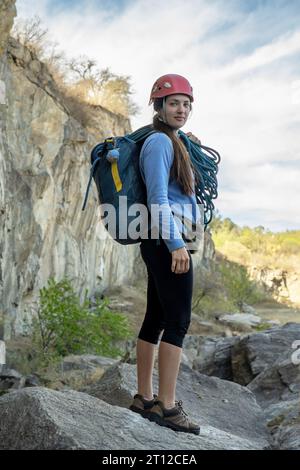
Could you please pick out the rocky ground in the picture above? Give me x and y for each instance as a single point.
(244, 391)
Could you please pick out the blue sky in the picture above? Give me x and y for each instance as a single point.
(115, 7)
(243, 60)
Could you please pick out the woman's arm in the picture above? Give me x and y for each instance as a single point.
(156, 159)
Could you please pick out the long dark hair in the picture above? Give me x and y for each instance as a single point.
(182, 169)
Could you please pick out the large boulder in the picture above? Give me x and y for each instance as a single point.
(86, 362)
(241, 319)
(277, 390)
(11, 379)
(210, 401)
(256, 352)
(210, 355)
(75, 371)
(278, 382)
(42, 419)
(283, 421)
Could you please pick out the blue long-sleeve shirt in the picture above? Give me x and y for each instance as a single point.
(156, 159)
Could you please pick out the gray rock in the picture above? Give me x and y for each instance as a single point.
(248, 309)
(32, 381)
(243, 319)
(7, 373)
(210, 356)
(283, 421)
(276, 413)
(41, 419)
(117, 385)
(266, 361)
(277, 390)
(274, 322)
(209, 400)
(280, 381)
(10, 379)
(86, 362)
(255, 352)
(288, 435)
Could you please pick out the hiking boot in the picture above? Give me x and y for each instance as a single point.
(141, 405)
(174, 418)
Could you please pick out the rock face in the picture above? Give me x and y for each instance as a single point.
(41, 418)
(44, 169)
(283, 284)
(7, 14)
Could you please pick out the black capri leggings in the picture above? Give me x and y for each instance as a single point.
(169, 296)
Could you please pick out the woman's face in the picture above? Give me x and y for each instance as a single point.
(177, 109)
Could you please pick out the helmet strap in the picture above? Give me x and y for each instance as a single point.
(164, 111)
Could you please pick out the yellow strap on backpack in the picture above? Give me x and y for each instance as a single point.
(116, 176)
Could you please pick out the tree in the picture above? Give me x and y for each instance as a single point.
(78, 78)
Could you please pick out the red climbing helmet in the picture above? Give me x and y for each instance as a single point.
(171, 84)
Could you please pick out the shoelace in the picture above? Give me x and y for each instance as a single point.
(179, 405)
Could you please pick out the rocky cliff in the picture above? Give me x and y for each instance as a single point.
(44, 169)
(284, 285)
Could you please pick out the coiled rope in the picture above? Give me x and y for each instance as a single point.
(205, 161)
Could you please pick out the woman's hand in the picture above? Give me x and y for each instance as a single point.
(180, 261)
(193, 138)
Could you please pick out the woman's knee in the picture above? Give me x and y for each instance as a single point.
(150, 333)
(174, 333)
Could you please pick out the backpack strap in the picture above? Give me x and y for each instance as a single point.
(108, 144)
(138, 136)
(93, 167)
(141, 134)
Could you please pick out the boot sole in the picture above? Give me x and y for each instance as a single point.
(158, 420)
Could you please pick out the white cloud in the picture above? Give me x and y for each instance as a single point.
(286, 45)
(242, 68)
(25, 8)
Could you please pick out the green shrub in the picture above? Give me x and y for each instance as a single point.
(265, 247)
(65, 326)
(262, 327)
(238, 285)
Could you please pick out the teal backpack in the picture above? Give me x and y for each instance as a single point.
(115, 170)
